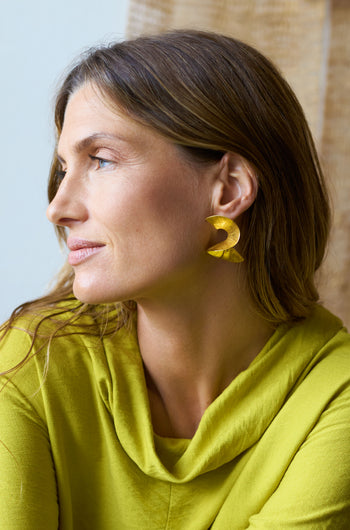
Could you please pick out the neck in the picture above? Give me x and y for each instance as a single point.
(193, 345)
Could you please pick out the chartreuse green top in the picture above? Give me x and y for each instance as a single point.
(77, 449)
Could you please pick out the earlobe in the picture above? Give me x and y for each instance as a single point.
(236, 186)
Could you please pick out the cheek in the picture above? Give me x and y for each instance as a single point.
(175, 201)
(170, 227)
(154, 215)
(153, 240)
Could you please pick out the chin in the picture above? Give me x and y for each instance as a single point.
(89, 295)
(93, 294)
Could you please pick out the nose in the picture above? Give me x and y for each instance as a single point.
(69, 204)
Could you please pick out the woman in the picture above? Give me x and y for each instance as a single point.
(192, 380)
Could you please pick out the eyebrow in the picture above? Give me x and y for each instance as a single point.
(85, 143)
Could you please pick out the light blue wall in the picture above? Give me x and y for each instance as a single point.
(38, 39)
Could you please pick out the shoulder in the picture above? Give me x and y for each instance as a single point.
(311, 432)
(323, 341)
(30, 333)
(327, 336)
(50, 345)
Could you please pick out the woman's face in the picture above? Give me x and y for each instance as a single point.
(134, 207)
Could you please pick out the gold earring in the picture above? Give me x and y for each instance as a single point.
(224, 249)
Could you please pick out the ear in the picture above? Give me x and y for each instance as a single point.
(235, 187)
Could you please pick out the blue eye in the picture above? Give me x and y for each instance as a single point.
(101, 162)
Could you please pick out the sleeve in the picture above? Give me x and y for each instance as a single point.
(315, 491)
(28, 498)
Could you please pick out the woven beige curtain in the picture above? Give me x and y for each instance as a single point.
(310, 42)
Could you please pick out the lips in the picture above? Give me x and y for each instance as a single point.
(82, 249)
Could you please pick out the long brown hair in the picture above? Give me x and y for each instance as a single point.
(211, 94)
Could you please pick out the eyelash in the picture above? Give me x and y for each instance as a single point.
(100, 160)
(60, 174)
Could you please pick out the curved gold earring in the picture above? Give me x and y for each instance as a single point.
(224, 249)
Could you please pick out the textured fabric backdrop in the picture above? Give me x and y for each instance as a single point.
(310, 42)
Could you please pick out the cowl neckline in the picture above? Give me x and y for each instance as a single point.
(233, 422)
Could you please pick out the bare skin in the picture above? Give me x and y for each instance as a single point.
(194, 346)
(140, 205)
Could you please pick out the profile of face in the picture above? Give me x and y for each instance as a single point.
(134, 206)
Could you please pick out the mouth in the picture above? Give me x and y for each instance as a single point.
(82, 249)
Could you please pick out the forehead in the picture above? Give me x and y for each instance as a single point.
(89, 117)
(87, 109)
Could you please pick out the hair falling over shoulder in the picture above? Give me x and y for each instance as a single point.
(211, 94)
(59, 313)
